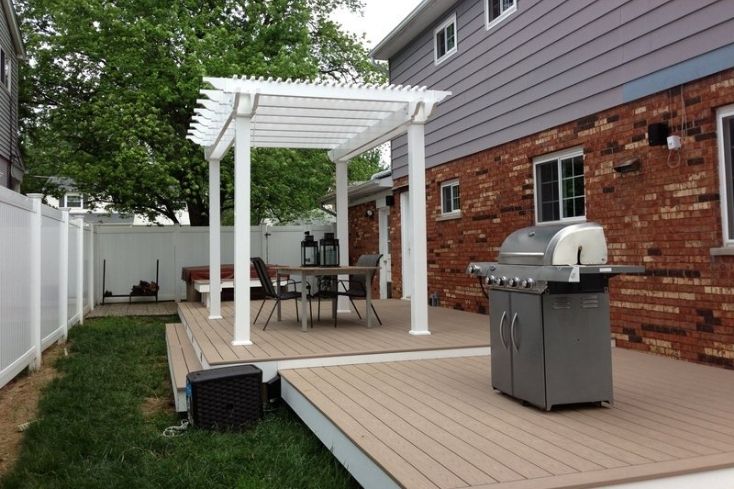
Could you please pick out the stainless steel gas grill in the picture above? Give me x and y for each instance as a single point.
(549, 314)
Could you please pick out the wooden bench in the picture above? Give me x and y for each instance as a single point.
(182, 359)
(202, 287)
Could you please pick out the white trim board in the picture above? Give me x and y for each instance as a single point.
(363, 468)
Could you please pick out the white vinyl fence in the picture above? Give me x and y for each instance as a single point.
(125, 255)
(42, 258)
(52, 268)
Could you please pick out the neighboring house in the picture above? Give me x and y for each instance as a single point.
(11, 52)
(100, 213)
(369, 224)
(559, 114)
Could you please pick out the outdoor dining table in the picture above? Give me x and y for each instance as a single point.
(305, 272)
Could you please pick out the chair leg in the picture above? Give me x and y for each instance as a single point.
(376, 315)
(355, 308)
(271, 313)
(258, 311)
(319, 300)
(310, 310)
(295, 301)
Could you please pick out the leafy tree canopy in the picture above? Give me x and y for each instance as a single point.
(109, 92)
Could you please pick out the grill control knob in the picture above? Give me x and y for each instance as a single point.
(503, 281)
(491, 280)
(474, 269)
(515, 282)
(529, 283)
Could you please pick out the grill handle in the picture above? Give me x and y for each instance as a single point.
(502, 328)
(512, 332)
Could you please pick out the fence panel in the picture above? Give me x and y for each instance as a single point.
(16, 342)
(88, 246)
(51, 326)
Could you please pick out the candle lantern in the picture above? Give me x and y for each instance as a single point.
(329, 250)
(309, 251)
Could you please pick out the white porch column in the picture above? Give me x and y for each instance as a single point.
(242, 230)
(215, 250)
(64, 273)
(417, 190)
(342, 225)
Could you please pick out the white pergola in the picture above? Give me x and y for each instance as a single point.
(344, 119)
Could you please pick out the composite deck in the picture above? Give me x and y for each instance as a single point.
(438, 424)
(284, 340)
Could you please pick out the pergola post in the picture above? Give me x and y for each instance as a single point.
(417, 190)
(342, 224)
(215, 253)
(242, 178)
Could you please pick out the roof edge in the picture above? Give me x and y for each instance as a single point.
(12, 18)
(416, 22)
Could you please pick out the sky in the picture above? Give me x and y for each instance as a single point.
(379, 18)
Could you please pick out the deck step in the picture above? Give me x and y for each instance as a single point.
(181, 360)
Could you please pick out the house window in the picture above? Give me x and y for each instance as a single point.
(450, 200)
(495, 11)
(4, 69)
(559, 186)
(445, 40)
(725, 135)
(74, 201)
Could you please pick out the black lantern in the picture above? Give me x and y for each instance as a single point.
(329, 250)
(309, 251)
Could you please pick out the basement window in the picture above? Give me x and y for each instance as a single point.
(444, 40)
(495, 11)
(450, 199)
(559, 187)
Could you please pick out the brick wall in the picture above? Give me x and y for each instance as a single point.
(666, 216)
(364, 237)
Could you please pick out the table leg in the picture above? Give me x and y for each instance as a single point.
(277, 285)
(304, 305)
(368, 284)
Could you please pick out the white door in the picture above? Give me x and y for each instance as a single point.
(383, 214)
(406, 244)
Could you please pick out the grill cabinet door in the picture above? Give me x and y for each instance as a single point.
(499, 326)
(526, 341)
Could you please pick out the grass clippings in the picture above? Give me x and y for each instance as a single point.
(100, 425)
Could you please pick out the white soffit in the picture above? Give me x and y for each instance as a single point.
(345, 119)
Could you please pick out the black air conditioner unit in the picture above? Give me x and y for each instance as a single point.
(227, 398)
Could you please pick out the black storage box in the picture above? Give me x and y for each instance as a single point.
(226, 398)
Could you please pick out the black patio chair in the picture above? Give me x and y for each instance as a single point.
(326, 288)
(270, 291)
(356, 286)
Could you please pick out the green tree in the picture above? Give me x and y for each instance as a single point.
(110, 90)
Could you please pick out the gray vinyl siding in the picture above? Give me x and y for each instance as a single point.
(8, 99)
(554, 61)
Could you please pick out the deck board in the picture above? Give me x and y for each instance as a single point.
(284, 340)
(437, 423)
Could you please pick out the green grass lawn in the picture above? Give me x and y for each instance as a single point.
(95, 427)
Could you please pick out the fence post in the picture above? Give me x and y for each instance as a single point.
(90, 273)
(80, 270)
(64, 272)
(35, 275)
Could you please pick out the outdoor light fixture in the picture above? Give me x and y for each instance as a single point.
(369, 213)
(329, 250)
(309, 251)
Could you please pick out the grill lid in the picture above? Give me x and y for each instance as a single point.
(555, 244)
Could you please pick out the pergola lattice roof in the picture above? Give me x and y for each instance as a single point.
(346, 119)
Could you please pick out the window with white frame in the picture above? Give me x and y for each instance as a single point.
(450, 200)
(559, 186)
(444, 40)
(5, 69)
(74, 201)
(495, 11)
(725, 135)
